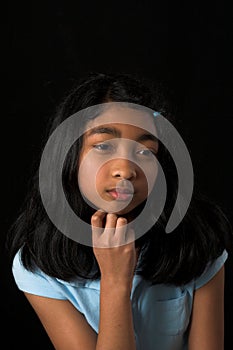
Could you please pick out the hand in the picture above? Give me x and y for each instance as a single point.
(114, 247)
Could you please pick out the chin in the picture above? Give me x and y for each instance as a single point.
(131, 211)
(122, 212)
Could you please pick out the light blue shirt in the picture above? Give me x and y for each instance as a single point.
(161, 313)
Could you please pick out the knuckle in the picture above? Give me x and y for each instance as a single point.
(112, 215)
(122, 221)
(94, 218)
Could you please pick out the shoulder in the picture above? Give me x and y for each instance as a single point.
(212, 268)
(39, 283)
(35, 282)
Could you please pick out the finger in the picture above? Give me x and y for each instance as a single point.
(97, 218)
(102, 236)
(120, 232)
(97, 226)
(111, 221)
(121, 222)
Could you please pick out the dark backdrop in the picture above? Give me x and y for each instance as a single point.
(187, 46)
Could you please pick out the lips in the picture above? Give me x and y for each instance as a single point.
(121, 193)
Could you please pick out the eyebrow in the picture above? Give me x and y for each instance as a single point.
(104, 130)
(147, 137)
(116, 133)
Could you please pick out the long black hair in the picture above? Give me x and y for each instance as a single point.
(173, 258)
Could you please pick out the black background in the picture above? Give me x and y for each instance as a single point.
(188, 46)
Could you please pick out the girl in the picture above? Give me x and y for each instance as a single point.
(128, 291)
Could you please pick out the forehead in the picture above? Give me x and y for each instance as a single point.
(135, 118)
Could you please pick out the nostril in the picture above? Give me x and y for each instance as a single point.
(118, 175)
(129, 175)
(123, 169)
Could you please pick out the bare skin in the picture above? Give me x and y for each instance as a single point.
(207, 324)
(117, 266)
(68, 329)
(114, 249)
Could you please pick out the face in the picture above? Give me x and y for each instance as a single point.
(117, 167)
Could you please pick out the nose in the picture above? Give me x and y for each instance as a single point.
(124, 169)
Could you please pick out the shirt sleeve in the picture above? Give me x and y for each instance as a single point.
(211, 270)
(35, 282)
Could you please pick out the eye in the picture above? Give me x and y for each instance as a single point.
(104, 147)
(145, 152)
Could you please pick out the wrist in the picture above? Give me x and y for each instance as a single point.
(113, 285)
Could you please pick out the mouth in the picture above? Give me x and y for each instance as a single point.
(122, 194)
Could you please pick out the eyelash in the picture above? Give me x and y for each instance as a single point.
(100, 146)
(147, 151)
(104, 147)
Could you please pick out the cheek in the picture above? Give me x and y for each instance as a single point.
(86, 176)
(101, 178)
(91, 178)
(149, 177)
